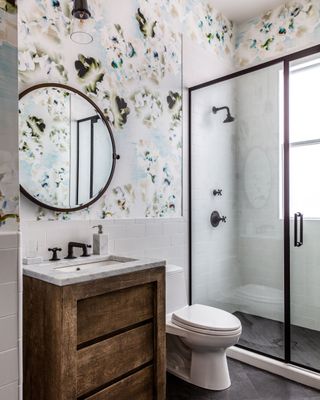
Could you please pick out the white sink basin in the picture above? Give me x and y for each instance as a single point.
(93, 265)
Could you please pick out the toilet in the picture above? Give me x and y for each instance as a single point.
(198, 336)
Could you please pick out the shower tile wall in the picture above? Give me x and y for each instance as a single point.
(215, 268)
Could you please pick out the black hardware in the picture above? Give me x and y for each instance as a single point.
(229, 117)
(215, 219)
(298, 243)
(55, 253)
(83, 246)
(217, 192)
(81, 10)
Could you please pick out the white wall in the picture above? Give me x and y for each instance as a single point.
(215, 264)
(10, 318)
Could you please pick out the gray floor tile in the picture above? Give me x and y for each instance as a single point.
(248, 383)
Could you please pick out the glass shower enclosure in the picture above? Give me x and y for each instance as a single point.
(255, 204)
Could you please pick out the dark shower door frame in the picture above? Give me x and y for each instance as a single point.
(286, 60)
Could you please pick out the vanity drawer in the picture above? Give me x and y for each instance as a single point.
(138, 386)
(99, 364)
(101, 315)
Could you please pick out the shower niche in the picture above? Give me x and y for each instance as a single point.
(255, 137)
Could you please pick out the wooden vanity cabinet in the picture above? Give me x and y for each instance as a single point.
(98, 340)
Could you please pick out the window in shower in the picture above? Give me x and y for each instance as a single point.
(305, 138)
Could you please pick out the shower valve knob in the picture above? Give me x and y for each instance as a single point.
(215, 219)
(217, 192)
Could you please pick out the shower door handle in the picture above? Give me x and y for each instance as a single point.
(298, 242)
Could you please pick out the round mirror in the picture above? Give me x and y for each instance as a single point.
(66, 148)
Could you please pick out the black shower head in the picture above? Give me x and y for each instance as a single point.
(229, 118)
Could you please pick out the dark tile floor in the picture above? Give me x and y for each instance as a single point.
(266, 335)
(248, 383)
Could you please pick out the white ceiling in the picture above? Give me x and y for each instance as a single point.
(241, 10)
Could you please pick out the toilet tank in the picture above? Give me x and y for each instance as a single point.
(176, 291)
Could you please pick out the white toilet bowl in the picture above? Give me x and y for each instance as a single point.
(198, 337)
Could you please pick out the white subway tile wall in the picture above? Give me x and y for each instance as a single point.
(10, 317)
(156, 238)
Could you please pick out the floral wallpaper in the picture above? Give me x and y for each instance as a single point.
(288, 28)
(9, 183)
(209, 27)
(133, 71)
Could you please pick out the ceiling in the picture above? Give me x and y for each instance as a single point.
(241, 10)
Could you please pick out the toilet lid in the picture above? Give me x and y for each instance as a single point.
(207, 318)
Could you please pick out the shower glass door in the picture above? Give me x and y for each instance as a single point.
(236, 190)
(255, 204)
(304, 89)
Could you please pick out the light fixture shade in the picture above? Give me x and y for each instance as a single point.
(82, 23)
(81, 9)
(81, 32)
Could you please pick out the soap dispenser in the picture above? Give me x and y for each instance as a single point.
(100, 241)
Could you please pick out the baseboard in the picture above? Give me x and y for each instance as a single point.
(288, 371)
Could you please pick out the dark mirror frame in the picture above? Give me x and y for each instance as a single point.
(115, 156)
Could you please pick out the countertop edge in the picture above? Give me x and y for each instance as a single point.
(145, 265)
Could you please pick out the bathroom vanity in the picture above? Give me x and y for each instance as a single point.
(94, 330)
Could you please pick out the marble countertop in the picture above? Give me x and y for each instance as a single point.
(69, 272)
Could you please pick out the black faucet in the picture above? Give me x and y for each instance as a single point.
(83, 246)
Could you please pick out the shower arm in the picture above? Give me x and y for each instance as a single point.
(217, 109)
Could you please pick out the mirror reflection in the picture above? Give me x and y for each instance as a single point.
(66, 148)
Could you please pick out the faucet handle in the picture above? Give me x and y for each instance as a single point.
(217, 192)
(85, 252)
(55, 253)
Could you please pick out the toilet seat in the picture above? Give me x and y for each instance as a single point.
(207, 320)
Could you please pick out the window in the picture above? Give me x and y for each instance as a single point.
(305, 139)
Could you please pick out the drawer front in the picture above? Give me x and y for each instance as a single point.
(138, 386)
(101, 315)
(99, 364)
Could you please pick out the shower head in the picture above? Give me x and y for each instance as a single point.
(229, 118)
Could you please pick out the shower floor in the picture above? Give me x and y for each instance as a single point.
(266, 336)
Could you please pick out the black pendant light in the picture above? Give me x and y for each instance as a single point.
(81, 9)
(80, 30)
